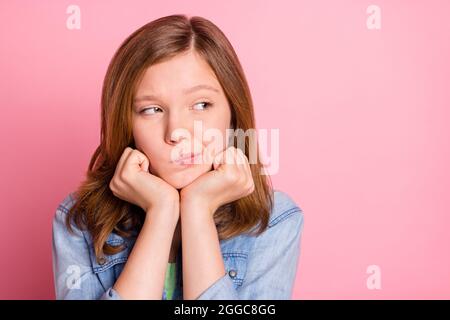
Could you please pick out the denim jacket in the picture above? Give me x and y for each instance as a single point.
(257, 267)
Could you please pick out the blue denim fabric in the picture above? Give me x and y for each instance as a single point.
(257, 267)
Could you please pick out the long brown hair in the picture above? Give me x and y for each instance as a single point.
(96, 208)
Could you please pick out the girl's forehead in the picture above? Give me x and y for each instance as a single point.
(184, 70)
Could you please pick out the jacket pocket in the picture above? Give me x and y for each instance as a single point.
(236, 266)
(109, 267)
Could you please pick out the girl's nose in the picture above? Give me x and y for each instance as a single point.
(177, 129)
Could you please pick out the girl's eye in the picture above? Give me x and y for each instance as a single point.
(202, 105)
(151, 110)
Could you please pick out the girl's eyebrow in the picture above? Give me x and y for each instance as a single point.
(186, 91)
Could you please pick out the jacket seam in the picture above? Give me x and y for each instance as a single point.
(284, 216)
(109, 264)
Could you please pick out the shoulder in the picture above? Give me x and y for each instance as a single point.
(283, 232)
(67, 202)
(285, 222)
(62, 210)
(285, 210)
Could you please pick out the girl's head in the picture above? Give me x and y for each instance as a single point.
(166, 76)
(169, 99)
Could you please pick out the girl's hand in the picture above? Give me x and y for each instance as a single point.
(230, 179)
(133, 182)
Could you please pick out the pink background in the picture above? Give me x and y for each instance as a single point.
(363, 117)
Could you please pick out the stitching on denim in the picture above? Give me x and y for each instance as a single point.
(109, 264)
(235, 254)
(115, 241)
(284, 215)
(63, 209)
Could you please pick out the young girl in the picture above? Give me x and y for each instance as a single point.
(165, 211)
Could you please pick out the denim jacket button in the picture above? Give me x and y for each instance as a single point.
(232, 273)
(102, 260)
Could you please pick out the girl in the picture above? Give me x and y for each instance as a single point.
(166, 212)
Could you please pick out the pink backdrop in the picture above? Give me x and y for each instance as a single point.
(363, 117)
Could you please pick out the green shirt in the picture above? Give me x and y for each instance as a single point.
(170, 282)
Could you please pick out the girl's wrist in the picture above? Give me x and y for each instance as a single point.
(197, 208)
(164, 212)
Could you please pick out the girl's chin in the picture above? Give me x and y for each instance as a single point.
(179, 180)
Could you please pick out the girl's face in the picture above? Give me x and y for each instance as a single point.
(169, 99)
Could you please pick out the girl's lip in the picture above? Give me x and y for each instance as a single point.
(187, 158)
